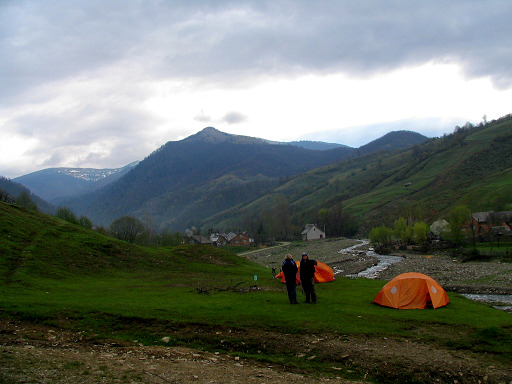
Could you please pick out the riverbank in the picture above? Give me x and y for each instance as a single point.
(476, 277)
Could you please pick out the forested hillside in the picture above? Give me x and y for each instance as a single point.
(201, 175)
(185, 182)
(23, 195)
(472, 167)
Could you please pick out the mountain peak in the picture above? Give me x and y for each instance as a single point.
(213, 135)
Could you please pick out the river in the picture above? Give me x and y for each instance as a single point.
(372, 272)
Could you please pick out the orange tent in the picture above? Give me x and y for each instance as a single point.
(323, 273)
(412, 291)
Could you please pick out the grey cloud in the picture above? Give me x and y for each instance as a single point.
(89, 135)
(233, 118)
(43, 41)
(203, 118)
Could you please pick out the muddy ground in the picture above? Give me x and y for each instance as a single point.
(31, 353)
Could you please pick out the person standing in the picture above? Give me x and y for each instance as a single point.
(290, 275)
(307, 278)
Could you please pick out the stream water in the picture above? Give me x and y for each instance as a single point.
(503, 302)
(372, 272)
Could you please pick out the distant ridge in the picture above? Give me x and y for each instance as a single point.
(184, 182)
(316, 145)
(55, 183)
(393, 140)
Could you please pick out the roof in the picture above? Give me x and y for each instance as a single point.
(309, 227)
(201, 239)
(503, 217)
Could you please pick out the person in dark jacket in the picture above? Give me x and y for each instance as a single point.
(290, 275)
(307, 278)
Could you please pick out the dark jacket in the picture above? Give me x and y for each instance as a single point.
(290, 270)
(307, 269)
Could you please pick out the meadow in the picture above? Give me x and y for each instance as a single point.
(61, 276)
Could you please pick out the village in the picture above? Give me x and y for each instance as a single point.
(489, 226)
(243, 239)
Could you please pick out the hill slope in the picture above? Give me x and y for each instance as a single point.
(471, 167)
(15, 189)
(68, 296)
(36, 247)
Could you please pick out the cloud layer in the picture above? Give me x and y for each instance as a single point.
(91, 82)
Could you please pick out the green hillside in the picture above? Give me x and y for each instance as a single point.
(64, 277)
(472, 166)
(37, 249)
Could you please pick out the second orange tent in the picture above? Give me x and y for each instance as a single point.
(323, 273)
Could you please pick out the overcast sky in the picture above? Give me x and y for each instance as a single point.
(103, 83)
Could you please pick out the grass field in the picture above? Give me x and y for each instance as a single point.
(57, 274)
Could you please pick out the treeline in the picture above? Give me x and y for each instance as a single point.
(279, 220)
(404, 232)
(455, 229)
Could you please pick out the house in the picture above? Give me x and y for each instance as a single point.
(230, 236)
(484, 224)
(312, 232)
(222, 241)
(241, 240)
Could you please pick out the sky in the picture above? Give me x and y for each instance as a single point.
(102, 83)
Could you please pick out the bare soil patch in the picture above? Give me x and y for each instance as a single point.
(42, 354)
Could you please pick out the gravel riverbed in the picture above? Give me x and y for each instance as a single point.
(490, 277)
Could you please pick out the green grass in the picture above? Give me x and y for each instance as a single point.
(345, 306)
(65, 276)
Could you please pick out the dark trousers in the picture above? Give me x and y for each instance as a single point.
(292, 291)
(309, 289)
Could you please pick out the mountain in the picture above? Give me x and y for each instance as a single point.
(316, 145)
(393, 140)
(53, 184)
(472, 167)
(185, 181)
(16, 189)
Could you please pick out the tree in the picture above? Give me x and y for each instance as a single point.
(439, 227)
(85, 222)
(402, 230)
(281, 217)
(337, 221)
(4, 196)
(457, 217)
(420, 231)
(126, 228)
(67, 214)
(167, 238)
(381, 235)
(25, 200)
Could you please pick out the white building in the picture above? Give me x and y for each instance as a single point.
(312, 232)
